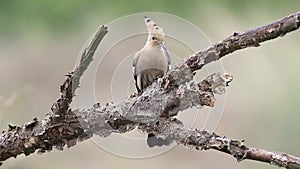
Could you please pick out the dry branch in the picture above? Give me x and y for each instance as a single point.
(166, 97)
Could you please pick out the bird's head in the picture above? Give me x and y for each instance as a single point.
(155, 33)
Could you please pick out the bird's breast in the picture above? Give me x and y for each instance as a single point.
(152, 59)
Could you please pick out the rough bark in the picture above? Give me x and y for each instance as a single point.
(166, 97)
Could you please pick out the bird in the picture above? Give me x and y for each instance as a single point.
(149, 64)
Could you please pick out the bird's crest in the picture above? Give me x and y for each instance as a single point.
(155, 32)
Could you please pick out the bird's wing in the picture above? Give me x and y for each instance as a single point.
(135, 60)
(166, 54)
(136, 79)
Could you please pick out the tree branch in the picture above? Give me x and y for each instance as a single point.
(68, 88)
(166, 97)
(250, 38)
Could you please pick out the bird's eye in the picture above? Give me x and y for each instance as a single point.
(154, 38)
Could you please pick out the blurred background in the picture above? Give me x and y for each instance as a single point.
(40, 42)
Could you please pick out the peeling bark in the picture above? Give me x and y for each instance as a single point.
(153, 110)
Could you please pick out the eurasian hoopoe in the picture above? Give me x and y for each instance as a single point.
(152, 61)
(149, 64)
